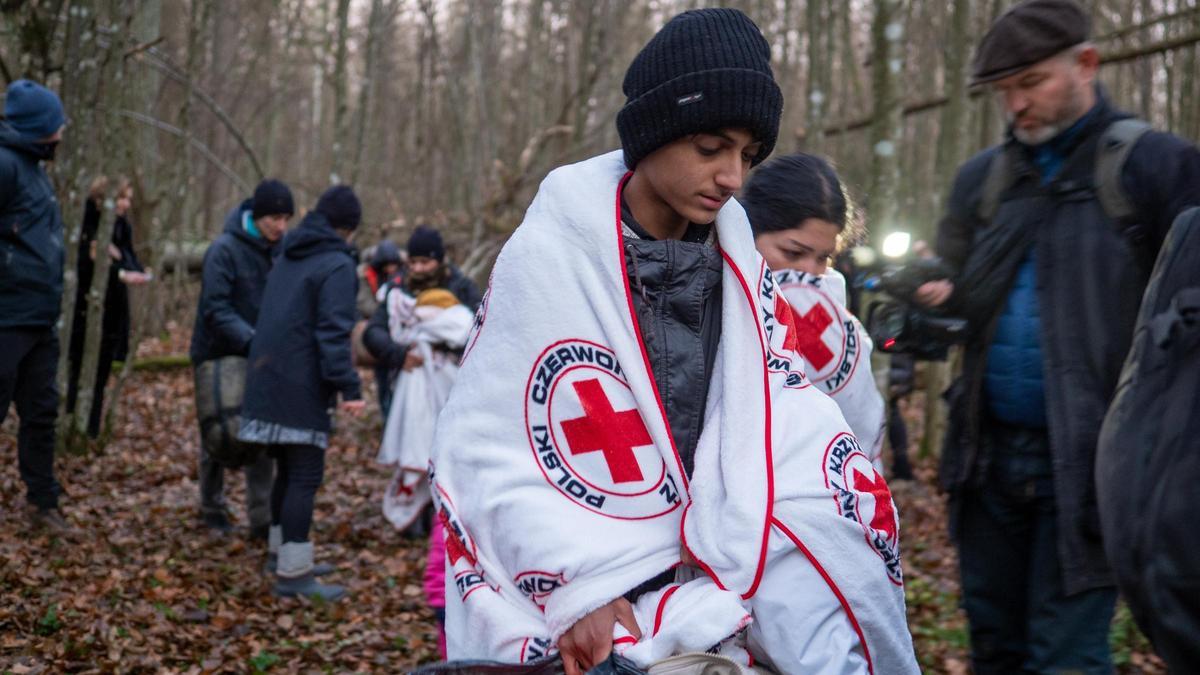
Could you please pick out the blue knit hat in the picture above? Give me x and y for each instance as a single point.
(32, 110)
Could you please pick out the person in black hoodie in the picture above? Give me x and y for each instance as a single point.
(234, 277)
(125, 270)
(299, 363)
(31, 273)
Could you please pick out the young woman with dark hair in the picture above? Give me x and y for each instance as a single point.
(801, 217)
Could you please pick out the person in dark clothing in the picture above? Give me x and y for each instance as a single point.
(31, 271)
(231, 295)
(299, 364)
(901, 375)
(1051, 282)
(383, 271)
(124, 270)
(427, 269)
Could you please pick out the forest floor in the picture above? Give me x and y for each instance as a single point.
(145, 588)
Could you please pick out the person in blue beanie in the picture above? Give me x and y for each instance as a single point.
(299, 365)
(31, 273)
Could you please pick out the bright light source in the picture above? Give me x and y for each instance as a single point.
(896, 244)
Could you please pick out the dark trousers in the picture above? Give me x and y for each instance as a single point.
(383, 383)
(259, 484)
(299, 470)
(1021, 621)
(28, 363)
(897, 435)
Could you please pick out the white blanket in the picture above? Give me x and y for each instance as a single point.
(418, 396)
(837, 352)
(560, 488)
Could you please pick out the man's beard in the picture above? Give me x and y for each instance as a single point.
(1040, 134)
(423, 281)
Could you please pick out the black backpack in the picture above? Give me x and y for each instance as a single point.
(1148, 457)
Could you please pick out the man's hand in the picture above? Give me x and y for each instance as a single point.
(353, 408)
(590, 640)
(934, 293)
(412, 360)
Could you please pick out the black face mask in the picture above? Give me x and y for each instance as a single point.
(45, 151)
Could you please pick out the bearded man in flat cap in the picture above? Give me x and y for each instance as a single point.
(1052, 236)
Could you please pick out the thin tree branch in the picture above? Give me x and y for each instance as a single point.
(937, 102)
(202, 148)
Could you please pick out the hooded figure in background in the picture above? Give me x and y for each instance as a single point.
(299, 367)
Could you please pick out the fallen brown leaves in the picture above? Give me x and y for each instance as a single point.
(145, 588)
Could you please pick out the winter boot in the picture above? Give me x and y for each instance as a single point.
(294, 576)
(218, 523)
(49, 520)
(274, 539)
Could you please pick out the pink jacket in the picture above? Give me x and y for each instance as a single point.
(435, 567)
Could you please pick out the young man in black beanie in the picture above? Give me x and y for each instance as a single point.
(632, 459)
(233, 277)
(299, 366)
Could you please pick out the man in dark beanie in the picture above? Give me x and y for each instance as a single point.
(233, 278)
(31, 272)
(632, 460)
(1051, 235)
(427, 268)
(299, 366)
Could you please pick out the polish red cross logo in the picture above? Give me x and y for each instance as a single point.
(602, 429)
(884, 519)
(804, 331)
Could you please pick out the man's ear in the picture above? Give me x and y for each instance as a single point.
(1088, 61)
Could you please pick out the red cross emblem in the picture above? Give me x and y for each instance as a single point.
(602, 429)
(455, 548)
(884, 519)
(804, 331)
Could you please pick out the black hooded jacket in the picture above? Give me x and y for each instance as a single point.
(300, 356)
(31, 236)
(231, 291)
(1091, 273)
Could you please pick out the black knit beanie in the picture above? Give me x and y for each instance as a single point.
(271, 198)
(341, 206)
(426, 242)
(706, 69)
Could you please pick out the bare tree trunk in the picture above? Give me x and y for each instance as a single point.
(366, 93)
(337, 166)
(816, 93)
(887, 127)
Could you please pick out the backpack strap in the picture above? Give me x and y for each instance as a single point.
(1115, 145)
(1000, 176)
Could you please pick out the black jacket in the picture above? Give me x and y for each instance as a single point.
(1091, 273)
(300, 356)
(31, 237)
(115, 328)
(234, 277)
(377, 338)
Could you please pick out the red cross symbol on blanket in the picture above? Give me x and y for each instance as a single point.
(602, 429)
(884, 519)
(804, 331)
